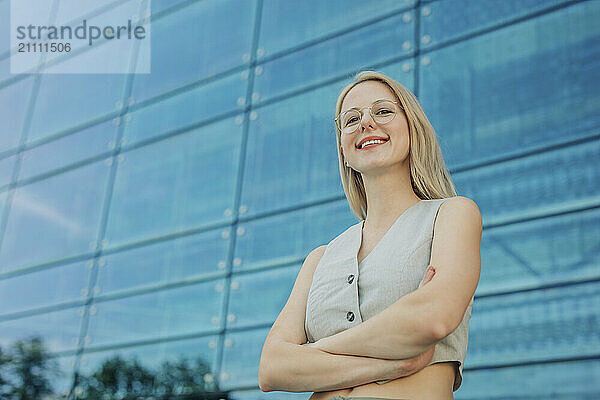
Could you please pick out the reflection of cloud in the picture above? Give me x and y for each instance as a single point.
(27, 203)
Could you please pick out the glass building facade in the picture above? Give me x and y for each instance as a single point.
(161, 219)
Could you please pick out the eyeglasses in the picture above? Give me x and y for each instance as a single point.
(382, 111)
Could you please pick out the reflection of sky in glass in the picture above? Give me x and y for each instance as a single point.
(48, 220)
(58, 329)
(14, 102)
(179, 311)
(69, 283)
(171, 261)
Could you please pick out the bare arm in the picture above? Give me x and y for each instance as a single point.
(427, 315)
(300, 368)
(394, 333)
(287, 364)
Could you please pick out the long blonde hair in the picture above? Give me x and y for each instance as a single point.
(429, 177)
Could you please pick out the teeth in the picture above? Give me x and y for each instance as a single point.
(371, 142)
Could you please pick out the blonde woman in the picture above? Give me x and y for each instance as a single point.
(382, 311)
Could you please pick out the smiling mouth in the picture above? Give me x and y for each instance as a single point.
(371, 144)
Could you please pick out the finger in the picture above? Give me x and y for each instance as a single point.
(428, 275)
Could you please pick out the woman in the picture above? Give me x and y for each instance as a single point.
(386, 304)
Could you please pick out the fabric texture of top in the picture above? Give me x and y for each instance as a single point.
(345, 293)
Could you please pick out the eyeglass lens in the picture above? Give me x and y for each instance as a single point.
(382, 111)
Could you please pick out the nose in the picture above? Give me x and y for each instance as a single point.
(367, 120)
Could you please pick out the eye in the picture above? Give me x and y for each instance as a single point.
(383, 111)
(351, 120)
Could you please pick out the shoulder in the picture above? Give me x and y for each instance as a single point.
(313, 258)
(309, 266)
(317, 253)
(456, 216)
(459, 210)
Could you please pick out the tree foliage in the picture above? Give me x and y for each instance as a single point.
(27, 371)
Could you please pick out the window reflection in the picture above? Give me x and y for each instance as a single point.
(165, 262)
(179, 183)
(48, 222)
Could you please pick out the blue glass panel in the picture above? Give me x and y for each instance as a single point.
(59, 330)
(241, 355)
(68, 282)
(162, 5)
(14, 102)
(199, 355)
(445, 20)
(393, 37)
(6, 170)
(573, 380)
(170, 261)
(535, 326)
(72, 13)
(2, 202)
(288, 24)
(291, 236)
(402, 71)
(176, 62)
(83, 97)
(176, 184)
(222, 97)
(541, 251)
(4, 26)
(260, 395)
(48, 220)
(525, 85)
(73, 10)
(68, 150)
(537, 185)
(185, 310)
(5, 74)
(274, 286)
(292, 155)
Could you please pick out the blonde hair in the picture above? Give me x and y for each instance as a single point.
(429, 176)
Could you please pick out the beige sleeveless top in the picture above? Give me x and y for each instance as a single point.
(345, 293)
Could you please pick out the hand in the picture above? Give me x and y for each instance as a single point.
(409, 366)
(417, 363)
(429, 273)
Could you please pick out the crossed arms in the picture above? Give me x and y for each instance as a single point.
(393, 343)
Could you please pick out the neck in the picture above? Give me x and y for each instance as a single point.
(389, 194)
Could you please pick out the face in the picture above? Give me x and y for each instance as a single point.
(396, 147)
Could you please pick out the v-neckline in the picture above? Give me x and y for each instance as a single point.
(360, 233)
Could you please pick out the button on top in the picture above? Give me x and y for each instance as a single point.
(350, 278)
(350, 316)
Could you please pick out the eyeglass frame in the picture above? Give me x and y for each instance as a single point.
(361, 114)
